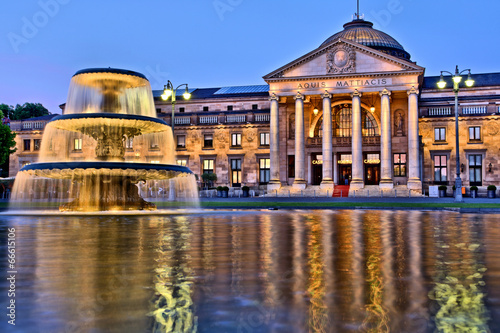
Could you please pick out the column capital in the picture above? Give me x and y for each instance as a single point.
(298, 96)
(273, 97)
(326, 94)
(412, 91)
(356, 93)
(385, 92)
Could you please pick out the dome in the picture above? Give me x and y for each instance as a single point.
(362, 32)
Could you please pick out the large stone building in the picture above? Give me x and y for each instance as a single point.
(355, 111)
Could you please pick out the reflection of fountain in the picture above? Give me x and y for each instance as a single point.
(106, 142)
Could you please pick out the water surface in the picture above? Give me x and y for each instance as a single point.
(284, 271)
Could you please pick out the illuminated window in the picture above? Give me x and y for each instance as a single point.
(236, 139)
(440, 134)
(208, 141)
(236, 172)
(476, 170)
(399, 165)
(182, 161)
(208, 166)
(342, 126)
(264, 170)
(440, 169)
(264, 139)
(474, 133)
(155, 162)
(78, 144)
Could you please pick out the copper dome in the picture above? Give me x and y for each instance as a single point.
(362, 32)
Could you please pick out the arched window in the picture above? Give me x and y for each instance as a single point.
(342, 123)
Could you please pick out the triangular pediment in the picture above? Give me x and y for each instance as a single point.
(342, 57)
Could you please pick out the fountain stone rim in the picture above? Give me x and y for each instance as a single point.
(111, 70)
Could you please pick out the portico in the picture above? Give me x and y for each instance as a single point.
(365, 124)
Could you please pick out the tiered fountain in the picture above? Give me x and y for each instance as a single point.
(106, 149)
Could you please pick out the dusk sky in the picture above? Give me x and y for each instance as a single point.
(213, 43)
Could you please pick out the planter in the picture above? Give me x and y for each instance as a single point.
(473, 193)
(219, 193)
(442, 193)
(491, 194)
(225, 194)
(245, 193)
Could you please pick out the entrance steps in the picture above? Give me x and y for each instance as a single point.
(373, 191)
(313, 191)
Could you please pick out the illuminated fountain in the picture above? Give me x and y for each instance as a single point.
(106, 149)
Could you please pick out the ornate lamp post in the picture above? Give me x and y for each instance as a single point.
(457, 78)
(169, 91)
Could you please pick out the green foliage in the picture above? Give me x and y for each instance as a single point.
(442, 188)
(492, 188)
(209, 177)
(225, 188)
(27, 110)
(219, 188)
(7, 142)
(6, 110)
(473, 188)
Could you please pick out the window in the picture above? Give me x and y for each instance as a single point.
(236, 140)
(475, 170)
(78, 144)
(229, 108)
(205, 108)
(291, 166)
(182, 161)
(255, 106)
(236, 172)
(208, 166)
(37, 144)
(342, 125)
(264, 170)
(27, 145)
(399, 165)
(158, 110)
(264, 139)
(129, 143)
(182, 109)
(440, 169)
(475, 133)
(209, 141)
(181, 141)
(155, 162)
(440, 134)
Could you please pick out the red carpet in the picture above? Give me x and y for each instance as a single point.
(341, 191)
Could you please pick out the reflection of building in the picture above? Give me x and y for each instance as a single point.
(356, 110)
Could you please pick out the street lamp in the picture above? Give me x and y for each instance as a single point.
(456, 78)
(169, 91)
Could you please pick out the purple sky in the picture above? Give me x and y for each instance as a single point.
(211, 43)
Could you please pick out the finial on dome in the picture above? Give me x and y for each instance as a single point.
(357, 16)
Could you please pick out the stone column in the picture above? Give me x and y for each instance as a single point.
(300, 147)
(385, 140)
(274, 182)
(414, 182)
(357, 143)
(327, 150)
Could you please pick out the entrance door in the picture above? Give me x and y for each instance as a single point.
(345, 171)
(317, 169)
(372, 174)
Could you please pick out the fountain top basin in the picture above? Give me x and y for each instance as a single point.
(110, 70)
(72, 170)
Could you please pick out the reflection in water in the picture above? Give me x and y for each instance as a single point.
(173, 311)
(302, 271)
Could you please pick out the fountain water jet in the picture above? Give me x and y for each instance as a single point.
(105, 149)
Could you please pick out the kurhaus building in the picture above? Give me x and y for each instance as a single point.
(355, 111)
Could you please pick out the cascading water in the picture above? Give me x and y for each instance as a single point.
(106, 151)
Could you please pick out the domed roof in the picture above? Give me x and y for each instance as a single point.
(362, 32)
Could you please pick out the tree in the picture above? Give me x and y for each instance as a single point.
(7, 142)
(28, 110)
(6, 110)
